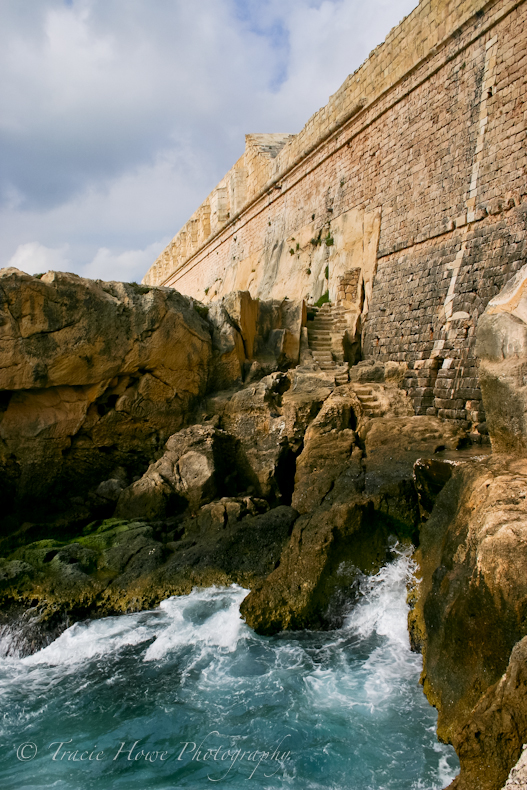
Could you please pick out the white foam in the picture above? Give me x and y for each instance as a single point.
(91, 639)
(223, 628)
(383, 609)
(210, 617)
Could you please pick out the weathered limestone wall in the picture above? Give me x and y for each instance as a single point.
(414, 174)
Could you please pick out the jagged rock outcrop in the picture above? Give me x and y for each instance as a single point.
(502, 351)
(198, 463)
(252, 338)
(470, 614)
(269, 418)
(93, 376)
(350, 501)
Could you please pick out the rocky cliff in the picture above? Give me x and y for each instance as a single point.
(196, 446)
(470, 614)
(95, 377)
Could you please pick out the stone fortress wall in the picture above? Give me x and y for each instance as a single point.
(404, 199)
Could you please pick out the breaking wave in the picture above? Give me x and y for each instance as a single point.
(187, 694)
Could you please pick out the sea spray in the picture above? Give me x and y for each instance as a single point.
(188, 696)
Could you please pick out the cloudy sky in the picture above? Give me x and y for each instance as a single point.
(118, 117)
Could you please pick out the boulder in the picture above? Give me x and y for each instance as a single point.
(199, 464)
(330, 445)
(501, 348)
(322, 559)
(270, 418)
(372, 371)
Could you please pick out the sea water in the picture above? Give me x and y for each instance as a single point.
(187, 696)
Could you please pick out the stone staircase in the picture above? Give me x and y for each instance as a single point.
(329, 321)
(369, 401)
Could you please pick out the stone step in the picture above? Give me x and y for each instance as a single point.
(363, 391)
(368, 400)
(320, 346)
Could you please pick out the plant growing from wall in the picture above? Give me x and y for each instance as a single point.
(326, 272)
(330, 241)
(140, 289)
(323, 299)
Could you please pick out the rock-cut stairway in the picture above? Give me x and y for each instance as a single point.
(369, 401)
(328, 321)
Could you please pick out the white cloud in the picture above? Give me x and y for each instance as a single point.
(129, 265)
(119, 116)
(35, 258)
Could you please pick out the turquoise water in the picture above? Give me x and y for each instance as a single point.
(187, 696)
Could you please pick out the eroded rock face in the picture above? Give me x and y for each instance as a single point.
(353, 490)
(93, 375)
(269, 418)
(252, 338)
(96, 376)
(518, 776)
(470, 614)
(502, 352)
(492, 741)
